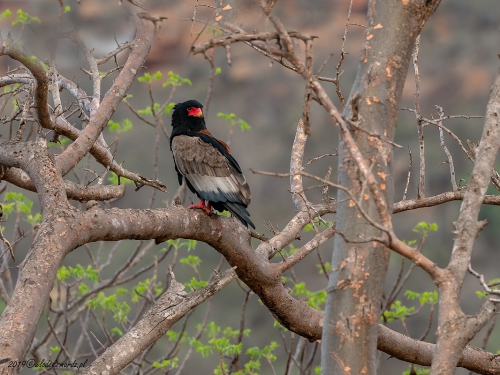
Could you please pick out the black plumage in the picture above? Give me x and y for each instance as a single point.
(211, 172)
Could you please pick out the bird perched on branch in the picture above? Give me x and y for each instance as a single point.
(211, 172)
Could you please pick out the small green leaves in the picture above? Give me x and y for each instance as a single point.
(231, 119)
(429, 298)
(146, 77)
(327, 265)
(266, 352)
(177, 244)
(309, 227)
(24, 18)
(218, 70)
(114, 180)
(223, 213)
(79, 273)
(158, 75)
(143, 287)
(314, 299)
(120, 309)
(415, 370)
(18, 203)
(67, 9)
(176, 80)
(121, 127)
(493, 284)
(5, 14)
(172, 79)
(54, 349)
(168, 108)
(191, 260)
(62, 142)
(33, 220)
(481, 295)
(116, 331)
(401, 312)
(167, 364)
(398, 311)
(423, 227)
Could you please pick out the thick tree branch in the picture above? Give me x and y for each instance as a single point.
(140, 50)
(455, 328)
(169, 308)
(39, 70)
(73, 191)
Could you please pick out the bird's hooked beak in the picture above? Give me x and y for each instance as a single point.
(196, 112)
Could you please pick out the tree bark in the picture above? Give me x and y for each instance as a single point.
(352, 310)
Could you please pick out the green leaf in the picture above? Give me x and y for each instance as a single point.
(5, 14)
(121, 312)
(429, 298)
(168, 108)
(327, 265)
(54, 349)
(176, 80)
(122, 291)
(33, 220)
(416, 371)
(314, 299)
(191, 260)
(114, 180)
(67, 8)
(121, 127)
(157, 75)
(218, 70)
(195, 284)
(423, 228)
(481, 295)
(82, 289)
(145, 78)
(116, 331)
(24, 18)
(172, 335)
(244, 125)
(62, 142)
(398, 311)
(18, 202)
(170, 363)
(63, 273)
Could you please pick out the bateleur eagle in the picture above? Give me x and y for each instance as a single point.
(211, 172)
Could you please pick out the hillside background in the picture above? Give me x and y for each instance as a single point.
(458, 62)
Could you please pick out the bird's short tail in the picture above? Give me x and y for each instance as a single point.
(240, 212)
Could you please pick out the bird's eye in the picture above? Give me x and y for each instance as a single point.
(190, 108)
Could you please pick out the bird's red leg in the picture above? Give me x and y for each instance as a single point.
(207, 208)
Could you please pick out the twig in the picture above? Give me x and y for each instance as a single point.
(420, 123)
(338, 72)
(409, 173)
(6, 242)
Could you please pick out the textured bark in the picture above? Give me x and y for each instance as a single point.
(455, 328)
(355, 286)
(19, 320)
(140, 50)
(169, 308)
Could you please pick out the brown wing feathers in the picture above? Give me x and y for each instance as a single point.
(212, 176)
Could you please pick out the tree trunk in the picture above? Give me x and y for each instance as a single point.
(358, 268)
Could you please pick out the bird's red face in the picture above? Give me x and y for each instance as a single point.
(195, 112)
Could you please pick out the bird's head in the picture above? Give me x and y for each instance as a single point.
(188, 116)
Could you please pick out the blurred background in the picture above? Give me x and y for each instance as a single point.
(458, 63)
